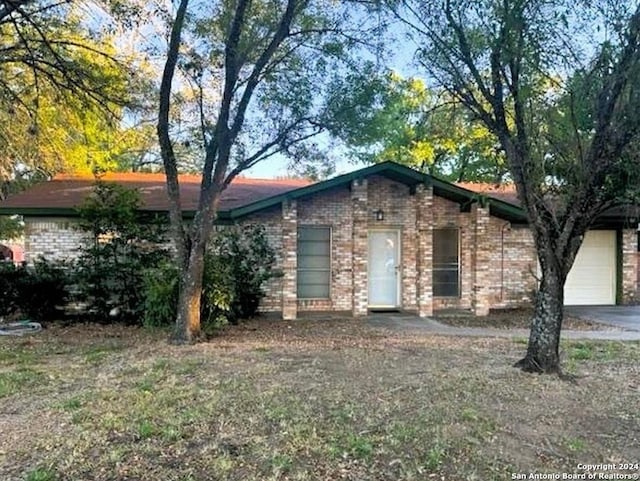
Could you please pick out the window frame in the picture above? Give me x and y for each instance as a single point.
(459, 263)
(328, 270)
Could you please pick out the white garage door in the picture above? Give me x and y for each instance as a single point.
(592, 279)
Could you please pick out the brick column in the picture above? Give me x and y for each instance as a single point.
(629, 265)
(482, 260)
(359, 209)
(289, 259)
(424, 239)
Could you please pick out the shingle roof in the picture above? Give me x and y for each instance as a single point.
(62, 195)
(67, 191)
(505, 192)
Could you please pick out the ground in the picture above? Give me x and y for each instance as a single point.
(512, 319)
(306, 400)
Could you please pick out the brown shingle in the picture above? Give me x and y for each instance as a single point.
(505, 192)
(69, 191)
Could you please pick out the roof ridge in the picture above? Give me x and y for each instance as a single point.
(160, 176)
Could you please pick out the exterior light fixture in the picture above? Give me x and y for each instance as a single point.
(379, 214)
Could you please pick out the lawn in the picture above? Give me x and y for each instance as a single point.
(519, 318)
(306, 401)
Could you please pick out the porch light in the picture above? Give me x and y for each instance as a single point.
(379, 214)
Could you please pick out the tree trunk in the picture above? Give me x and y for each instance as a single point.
(544, 339)
(187, 328)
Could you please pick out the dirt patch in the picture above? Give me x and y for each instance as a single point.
(306, 400)
(513, 319)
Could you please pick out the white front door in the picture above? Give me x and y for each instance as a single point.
(384, 268)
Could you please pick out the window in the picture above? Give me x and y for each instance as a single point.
(446, 266)
(314, 262)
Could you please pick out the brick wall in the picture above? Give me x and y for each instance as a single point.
(54, 238)
(507, 257)
(331, 209)
(289, 259)
(629, 265)
(424, 242)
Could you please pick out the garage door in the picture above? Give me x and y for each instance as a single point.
(592, 279)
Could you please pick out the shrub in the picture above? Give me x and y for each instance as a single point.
(160, 295)
(241, 259)
(238, 263)
(123, 243)
(36, 292)
(44, 289)
(10, 280)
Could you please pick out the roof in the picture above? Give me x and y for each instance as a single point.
(63, 194)
(505, 192)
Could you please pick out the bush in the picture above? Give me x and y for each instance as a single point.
(123, 243)
(238, 263)
(10, 281)
(241, 260)
(36, 292)
(160, 295)
(44, 290)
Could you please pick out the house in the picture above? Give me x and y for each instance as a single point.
(11, 251)
(383, 237)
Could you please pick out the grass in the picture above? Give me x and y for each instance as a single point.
(18, 379)
(305, 401)
(41, 474)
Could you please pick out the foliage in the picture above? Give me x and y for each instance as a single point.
(65, 90)
(160, 295)
(122, 243)
(269, 63)
(237, 265)
(44, 289)
(384, 116)
(35, 291)
(10, 280)
(563, 102)
(10, 227)
(241, 260)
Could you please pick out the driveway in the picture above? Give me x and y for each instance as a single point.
(626, 317)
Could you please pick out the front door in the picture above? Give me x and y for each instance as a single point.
(384, 268)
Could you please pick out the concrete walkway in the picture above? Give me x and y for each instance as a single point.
(409, 323)
(626, 317)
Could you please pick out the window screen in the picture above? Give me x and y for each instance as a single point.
(446, 266)
(314, 262)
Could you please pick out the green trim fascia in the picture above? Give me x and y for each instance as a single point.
(68, 212)
(507, 211)
(39, 211)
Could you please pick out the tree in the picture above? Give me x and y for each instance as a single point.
(63, 91)
(269, 61)
(557, 85)
(10, 228)
(381, 116)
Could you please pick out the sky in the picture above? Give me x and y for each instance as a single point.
(399, 58)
